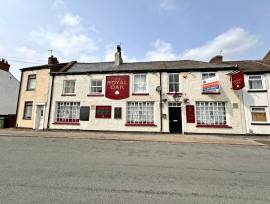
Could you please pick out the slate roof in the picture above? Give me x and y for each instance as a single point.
(251, 66)
(54, 67)
(182, 65)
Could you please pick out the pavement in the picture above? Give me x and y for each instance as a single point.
(150, 137)
(66, 171)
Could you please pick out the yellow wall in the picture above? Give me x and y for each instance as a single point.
(39, 95)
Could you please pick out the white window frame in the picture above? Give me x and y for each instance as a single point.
(140, 112)
(208, 73)
(146, 83)
(173, 82)
(67, 112)
(265, 111)
(64, 86)
(214, 117)
(90, 87)
(262, 79)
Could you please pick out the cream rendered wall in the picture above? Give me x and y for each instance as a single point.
(82, 89)
(257, 99)
(191, 86)
(37, 96)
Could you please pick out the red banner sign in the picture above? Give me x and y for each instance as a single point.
(190, 113)
(103, 111)
(238, 81)
(117, 87)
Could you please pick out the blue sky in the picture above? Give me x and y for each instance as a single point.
(89, 30)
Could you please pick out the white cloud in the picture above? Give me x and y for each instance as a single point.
(71, 20)
(73, 41)
(59, 4)
(233, 42)
(162, 51)
(167, 4)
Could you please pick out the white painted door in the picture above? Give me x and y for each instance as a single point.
(39, 117)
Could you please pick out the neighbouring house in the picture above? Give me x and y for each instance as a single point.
(182, 96)
(255, 95)
(9, 89)
(34, 92)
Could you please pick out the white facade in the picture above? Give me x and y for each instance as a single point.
(256, 105)
(9, 89)
(233, 121)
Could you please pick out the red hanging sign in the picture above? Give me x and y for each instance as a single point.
(117, 87)
(190, 113)
(238, 81)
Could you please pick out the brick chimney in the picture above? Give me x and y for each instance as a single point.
(267, 56)
(52, 60)
(118, 56)
(217, 59)
(4, 65)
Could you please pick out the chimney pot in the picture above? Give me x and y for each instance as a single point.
(52, 60)
(217, 59)
(118, 56)
(4, 65)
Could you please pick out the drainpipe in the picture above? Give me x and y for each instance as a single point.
(160, 102)
(50, 103)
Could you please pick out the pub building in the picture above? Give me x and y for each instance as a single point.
(182, 96)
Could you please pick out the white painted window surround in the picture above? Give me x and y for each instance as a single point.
(140, 112)
(69, 86)
(256, 82)
(96, 86)
(68, 112)
(210, 113)
(139, 83)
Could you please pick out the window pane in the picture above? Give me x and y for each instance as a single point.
(259, 117)
(68, 112)
(139, 84)
(255, 84)
(140, 112)
(31, 84)
(28, 110)
(69, 86)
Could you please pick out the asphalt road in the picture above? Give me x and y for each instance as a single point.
(39, 170)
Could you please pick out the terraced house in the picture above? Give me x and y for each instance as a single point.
(170, 96)
(184, 96)
(35, 87)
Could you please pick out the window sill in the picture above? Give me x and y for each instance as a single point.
(263, 90)
(214, 126)
(211, 93)
(172, 93)
(27, 118)
(30, 89)
(263, 123)
(95, 95)
(141, 124)
(68, 95)
(140, 94)
(66, 123)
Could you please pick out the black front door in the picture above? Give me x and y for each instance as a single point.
(175, 119)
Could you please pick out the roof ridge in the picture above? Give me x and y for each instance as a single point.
(259, 62)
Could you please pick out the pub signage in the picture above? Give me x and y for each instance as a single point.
(238, 81)
(117, 87)
(190, 113)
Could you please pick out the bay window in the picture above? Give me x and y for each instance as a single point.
(140, 112)
(210, 113)
(68, 112)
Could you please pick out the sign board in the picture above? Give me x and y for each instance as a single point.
(117, 87)
(238, 81)
(210, 85)
(103, 111)
(190, 113)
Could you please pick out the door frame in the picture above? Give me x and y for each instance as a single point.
(173, 104)
(35, 125)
